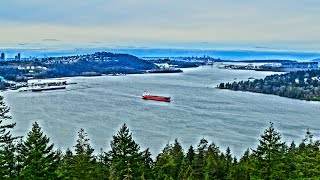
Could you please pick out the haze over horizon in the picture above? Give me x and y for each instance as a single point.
(247, 24)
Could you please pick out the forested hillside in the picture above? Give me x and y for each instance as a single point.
(80, 65)
(34, 157)
(299, 85)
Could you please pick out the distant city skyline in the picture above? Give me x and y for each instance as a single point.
(247, 24)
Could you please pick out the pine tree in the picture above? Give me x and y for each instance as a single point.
(165, 166)
(177, 154)
(5, 134)
(243, 167)
(307, 158)
(210, 168)
(292, 159)
(65, 166)
(190, 154)
(83, 161)
(8, 149)
(8, 161)
(228, 161)
(186, 170)
(102, 166)
(269, 156)
(148, 165)
(125, 151)
(199, 160)
(213, 166)
(38, 158)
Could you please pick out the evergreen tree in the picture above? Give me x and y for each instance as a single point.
(8, 149)
(125, 154)
(165, 165)
(38, 158)
(210, 168)
(269, 156)
(213, 164)
(186, 170)
(5, 127)
(307, 158)
(199, 160)
(228, 159)
(243, 167)
(148, 165)
(83, 161)
(190, 154)
(102, 166)
(291, 159)
(177, 154)
(65, 166)
(8, 161)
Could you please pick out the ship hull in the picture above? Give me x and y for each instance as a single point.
(48, 89)
(156, 98)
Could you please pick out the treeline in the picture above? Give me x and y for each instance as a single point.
(34, 157)
(299, 85)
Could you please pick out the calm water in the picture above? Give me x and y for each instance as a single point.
(101, 105)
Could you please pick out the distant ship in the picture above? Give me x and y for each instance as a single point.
(155, 98)
(165, 68)
(164, 71)
(38, 85)
(47, 88)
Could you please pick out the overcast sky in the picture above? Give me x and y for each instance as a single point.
(295, 23)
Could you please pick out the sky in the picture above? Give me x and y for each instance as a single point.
(263, 24)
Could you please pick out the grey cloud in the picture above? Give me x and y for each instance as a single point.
(51, 40)
(23, 44)
(202, 20)
(178, 13)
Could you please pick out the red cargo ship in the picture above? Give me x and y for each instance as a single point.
(155, 98)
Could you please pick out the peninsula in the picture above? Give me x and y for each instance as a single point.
(304, 85)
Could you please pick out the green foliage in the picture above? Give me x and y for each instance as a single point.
(269, 158)
(9, 167)
(299, 85)
(64, 170)
(170, 161)
(38, 158)
(307, 158)
(148, 165)
(82, 165)
(165, 166)
(5, 127)
(9, 161)
(126, 158)
(199, 160)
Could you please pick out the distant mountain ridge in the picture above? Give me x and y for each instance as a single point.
(316, 60)
(227, 54)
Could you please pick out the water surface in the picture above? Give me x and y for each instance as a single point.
(101, 105)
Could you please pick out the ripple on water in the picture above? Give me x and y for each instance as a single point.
(101, 105)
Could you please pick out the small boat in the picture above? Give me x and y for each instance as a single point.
(155, 98)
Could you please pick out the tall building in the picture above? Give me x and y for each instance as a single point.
(2, 57)
(17, 57)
